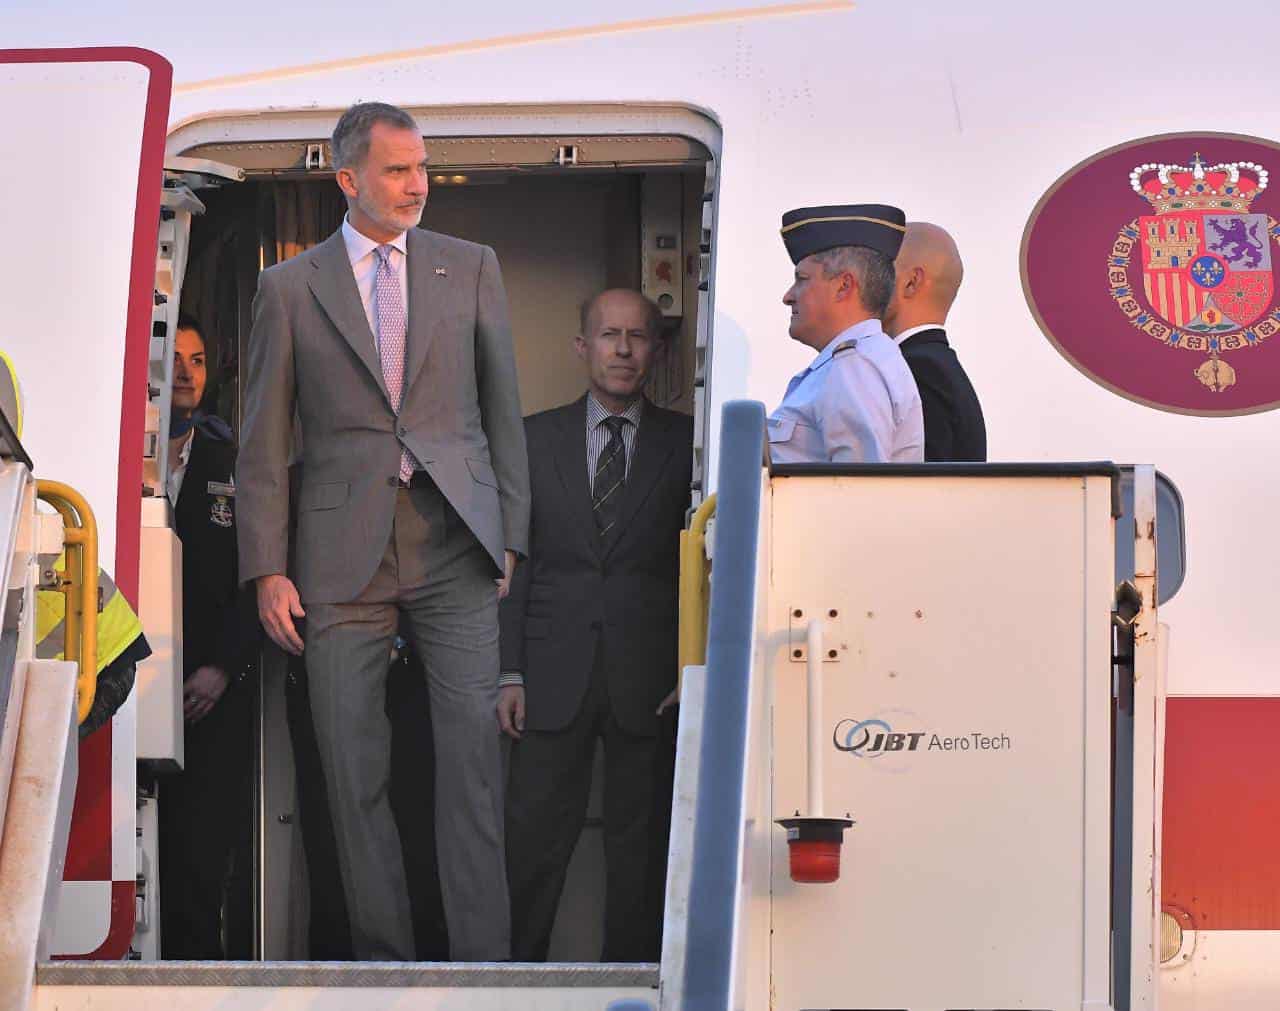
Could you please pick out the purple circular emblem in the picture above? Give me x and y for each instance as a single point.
(1151, 267)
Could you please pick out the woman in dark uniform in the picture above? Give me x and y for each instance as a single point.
(207, 809)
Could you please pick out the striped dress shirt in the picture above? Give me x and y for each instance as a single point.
(598, 433)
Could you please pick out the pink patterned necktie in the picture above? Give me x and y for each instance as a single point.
(393, 324)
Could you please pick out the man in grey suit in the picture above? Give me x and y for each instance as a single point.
(392, 345)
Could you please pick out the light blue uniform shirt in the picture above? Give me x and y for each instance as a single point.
(856, 403)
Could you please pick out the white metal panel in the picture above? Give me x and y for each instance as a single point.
(753, 947)
(158, 688)
(69, 163)
(1228, 970)
(146, 935)
(19, 531)
(124, 800)
(304, 998)
(675, 952)
(84, 915)
(1098, 600)
(1148, 702)
(37, 821)
(988, 618)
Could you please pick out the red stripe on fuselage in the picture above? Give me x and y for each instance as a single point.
(1222, 812)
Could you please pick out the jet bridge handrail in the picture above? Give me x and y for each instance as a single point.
(80, 584)
(718, 821)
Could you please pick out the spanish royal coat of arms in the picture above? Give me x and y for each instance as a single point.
(1186, 319)
(1195, 273)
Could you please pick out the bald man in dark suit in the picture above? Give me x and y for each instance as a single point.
(928, 275)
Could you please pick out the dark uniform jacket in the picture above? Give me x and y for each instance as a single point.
(577, 593)
(220, 619)
(954, 428)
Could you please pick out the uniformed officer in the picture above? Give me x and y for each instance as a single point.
(857, 401)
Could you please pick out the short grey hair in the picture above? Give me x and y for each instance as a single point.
(349, 145)
(870, 267)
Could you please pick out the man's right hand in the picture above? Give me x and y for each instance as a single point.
(278, 605)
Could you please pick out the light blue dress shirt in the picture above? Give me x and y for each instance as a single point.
(856, 403)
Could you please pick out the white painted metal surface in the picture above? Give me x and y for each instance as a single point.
(321, 986)
(158, 687)
(815, 724)
(71, 159)
(1225, 970)
(20, 535)
(62, 319)
(218, 998)
(973, 681)
(146, 935)
(675, 953)
(753, 946)
(1148, 709)
(37, 821)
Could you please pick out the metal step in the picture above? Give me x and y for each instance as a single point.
(322, 986)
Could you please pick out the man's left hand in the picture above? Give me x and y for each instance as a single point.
(673, 699)
(511, 710)
(504, 584)
(201, 691)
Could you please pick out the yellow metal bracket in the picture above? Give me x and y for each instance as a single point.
(695, 586)
(80, 536)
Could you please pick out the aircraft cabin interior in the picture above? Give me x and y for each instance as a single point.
(568, 216)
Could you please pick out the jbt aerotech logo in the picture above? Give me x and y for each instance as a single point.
(873, 738)
(876, 738)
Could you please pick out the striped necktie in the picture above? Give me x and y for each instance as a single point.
(393, 324)
(611, 477)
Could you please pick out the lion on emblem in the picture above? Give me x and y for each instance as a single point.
(1245, 243)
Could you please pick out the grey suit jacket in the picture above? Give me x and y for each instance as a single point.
(311, 351)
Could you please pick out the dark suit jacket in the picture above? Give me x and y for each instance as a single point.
(575, 593)
(219, 618)
(953, 425)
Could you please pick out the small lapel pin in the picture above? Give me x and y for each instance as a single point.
(441, 272)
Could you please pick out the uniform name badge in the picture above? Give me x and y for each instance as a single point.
(221, 494)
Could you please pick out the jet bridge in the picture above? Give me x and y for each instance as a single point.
(933, 668)
(41, 702)
(952, 672)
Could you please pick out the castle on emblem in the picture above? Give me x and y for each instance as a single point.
(1177, 240)
(1207, 280)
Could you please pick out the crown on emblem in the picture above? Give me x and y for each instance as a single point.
(1230, 186)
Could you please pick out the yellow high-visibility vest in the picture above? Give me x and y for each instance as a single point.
(10, 394)
(118, 626)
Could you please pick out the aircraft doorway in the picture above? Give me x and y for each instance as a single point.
(567, 218)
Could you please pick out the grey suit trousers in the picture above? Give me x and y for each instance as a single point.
(436, 573)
